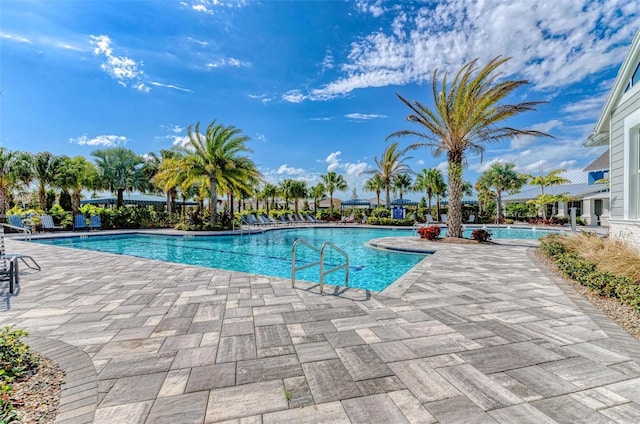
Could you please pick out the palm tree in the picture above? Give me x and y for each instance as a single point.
(466, 115)
(317, 192)
(269, 191)
(45, 168)
(75, 174)
(298, 190)
(332, 182)
(426, 180)
(213, 158)
(153, 165)
(15, 170)
(401, 183)
(389, 165)
(120, 169)
(284, 189)
(440, 191)
(502, 177)
(376, 184)
(551, 179)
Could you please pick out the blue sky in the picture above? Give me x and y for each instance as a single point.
(312, 83)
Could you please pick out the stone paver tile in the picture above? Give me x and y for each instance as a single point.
(318, 327)
(363, 363)
(297, 317)
(542, 381)
(130, 413)
(298, 392)
(459, 409)
(380, 385)
(256, 419)
(181, 342)
(393, 351)
(211, 377)
(272, 336)
(245, 401)
(211, 338)
(564, 409)
(209, 312)
(326, 413)
(129, 347)
(134, 389)
(390, 333)
(507, 332)
(445, 360)
(236, 328)
(520, 414)
(195, 357)
(310, 352)
(423, 381)
(187, 408)
(597, 353)
(374, 408)
(479, 387)
(269, 319)
(629, 389)
(506, 357)
(344, 339)
(276, 351)
(136, 365)
(265, 369)
(354, 323)
(329, 381)
(321, 314)
(518, 388)
(174, 383)
(236, 348)
(426, 329)
(441, 344)
(623, 414)
(599, 398)
(411, 408)
(583, 372)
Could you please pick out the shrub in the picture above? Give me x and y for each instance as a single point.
(16, 362)
(389, 221)
(481, 235)
(430, 232)
(381, 213)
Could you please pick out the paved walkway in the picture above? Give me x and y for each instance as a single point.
(474, 333)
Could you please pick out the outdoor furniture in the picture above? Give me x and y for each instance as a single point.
(16, 223)
(46, 222)
(80, 222)
(443, 218)
(9, 269)
(429, 219)
(95, 222)
(472, 219)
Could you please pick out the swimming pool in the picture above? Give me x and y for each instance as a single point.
(268, 253)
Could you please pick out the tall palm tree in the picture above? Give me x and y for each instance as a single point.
(440, 191)
(375, 184)
(485, 194)
(332, 182)
(389, 165)
(215, 157)
(75, 174)
(119, 170)
(317, 192)
(467, 114)
(270, 191)
(15, 170)
(401, 183)
(298, 190)
(503, 177)
(153, 164)
(426, 180)
(551, 179)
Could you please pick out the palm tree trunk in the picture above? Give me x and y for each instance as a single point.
(213, 200)
(42, 197)
(454, 215)
(168, 203)
(120, 202)
(378, 196)
(499, 206)
(388, 200)
(75, 201)
(4, 199)
(331, 205)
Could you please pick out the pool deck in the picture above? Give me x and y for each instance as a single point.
(473, 333)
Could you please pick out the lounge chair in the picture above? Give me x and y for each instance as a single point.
(349, 220)
(272, 220)
(9, 269)
(472, 219)
(46, 223)
(429, 219)
(80, 222)
(95, 222)
(443, 218)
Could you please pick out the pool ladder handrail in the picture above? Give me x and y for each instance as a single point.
(321, 251)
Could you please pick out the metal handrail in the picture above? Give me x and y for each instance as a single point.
(321, 252)
(26, 231)
(339, 267)
(293, 259)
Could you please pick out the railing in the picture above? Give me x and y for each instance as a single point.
(320, 262)
(26, 231)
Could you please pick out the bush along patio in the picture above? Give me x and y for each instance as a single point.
(568, 259)
(16, 362)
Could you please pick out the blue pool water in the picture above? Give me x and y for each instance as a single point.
(269, 253)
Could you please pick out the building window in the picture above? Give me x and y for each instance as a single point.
(635, 79)
(575, 204)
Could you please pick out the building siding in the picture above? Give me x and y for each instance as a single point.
(626, 231)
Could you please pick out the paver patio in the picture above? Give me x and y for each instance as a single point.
(481, 334)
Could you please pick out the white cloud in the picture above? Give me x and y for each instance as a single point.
(14, 37)
(180, 141)
(327, 63)
(567, 164)
(171, 86)
(262, 97)
(552, 43)
(261, 138)
(208, 6)
(363, 116)
(293, 96)
(289, 170)
(124, 70)
(587, 108)
(100, 140)
(230, 61)
(420, 162)
(320, 119)
(545, 127)
(333, 160)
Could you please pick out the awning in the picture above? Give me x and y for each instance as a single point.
(135, 199)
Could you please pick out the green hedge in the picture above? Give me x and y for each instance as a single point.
(586, 273)
(389, 221)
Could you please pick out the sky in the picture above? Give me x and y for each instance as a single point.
(312, 83)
